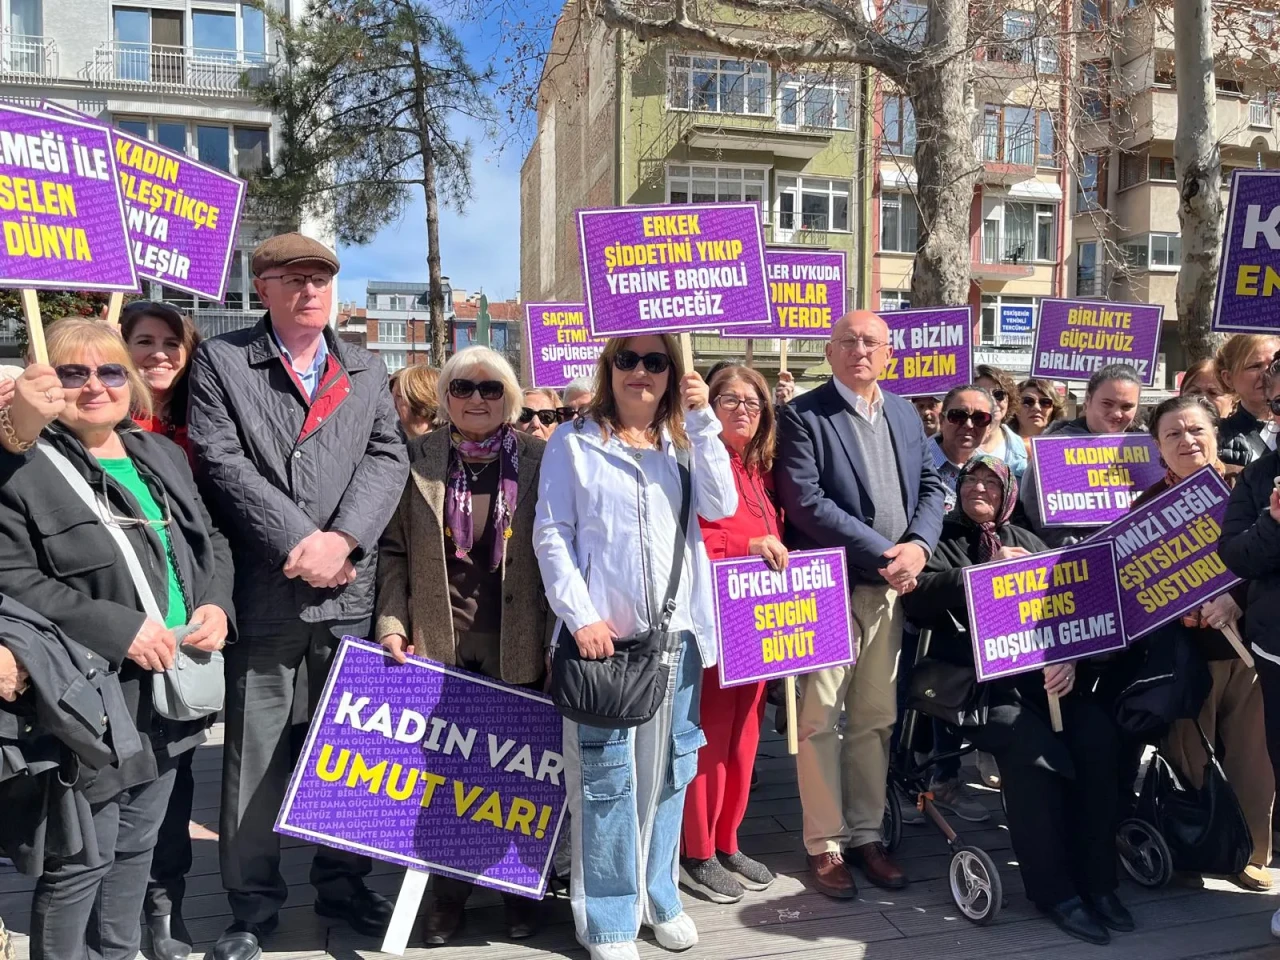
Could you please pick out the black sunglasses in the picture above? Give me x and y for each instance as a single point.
(1043, 402)
(999, 395)
(545, 417)
(979, 418)
(1275, 406)
(655, 363)
(565, 414)
(73, 376)
(465, 389)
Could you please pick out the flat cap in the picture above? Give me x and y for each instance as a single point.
(286, 249)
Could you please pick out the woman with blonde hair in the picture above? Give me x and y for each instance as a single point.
(1242, 364)
(415, 392)
(623, 559)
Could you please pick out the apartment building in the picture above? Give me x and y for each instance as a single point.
(175, 72)
(397, 320)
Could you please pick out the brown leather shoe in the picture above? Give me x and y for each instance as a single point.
(444, 919)
(832, 876)
(877, 866)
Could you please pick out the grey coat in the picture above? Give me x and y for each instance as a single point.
(275, 466)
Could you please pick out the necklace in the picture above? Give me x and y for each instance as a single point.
(475, 474)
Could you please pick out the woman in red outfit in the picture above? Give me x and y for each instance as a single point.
(161, 341)
(716, 800)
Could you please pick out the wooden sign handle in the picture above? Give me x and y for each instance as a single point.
(412, 887)
(1232, 633)
(782, 355)
(686, 352)
(749, 358)
(1055, 713)
(793, 735)
(112, 317)
(35, 327)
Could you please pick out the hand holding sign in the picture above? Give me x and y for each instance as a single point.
(694, 392)
(36, 402)
(771, 549)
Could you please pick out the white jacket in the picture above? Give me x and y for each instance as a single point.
(588, 527)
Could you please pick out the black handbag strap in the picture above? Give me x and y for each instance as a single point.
(682, 536)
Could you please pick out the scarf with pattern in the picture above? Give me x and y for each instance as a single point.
(458, 521)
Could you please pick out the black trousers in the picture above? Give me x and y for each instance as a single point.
(93, 913)
(1269, 679)
(1064, 829)
(172, 859)
(257, 761)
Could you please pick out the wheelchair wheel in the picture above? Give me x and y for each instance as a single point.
(891, 826)
(1144, 854)
(975, 885)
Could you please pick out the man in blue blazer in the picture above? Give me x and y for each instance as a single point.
(853, 470)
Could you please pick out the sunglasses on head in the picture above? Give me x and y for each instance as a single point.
(545, 417)
(1044, 403)
(465, 389)
(979, 418)
(655, 363)
(73, 376)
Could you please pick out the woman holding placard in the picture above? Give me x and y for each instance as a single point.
(624, 563)
(716, 800)
(1059, 788)
(1185, 428)
(1242, 368)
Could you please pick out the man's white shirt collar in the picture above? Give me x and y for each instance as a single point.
(867, 410)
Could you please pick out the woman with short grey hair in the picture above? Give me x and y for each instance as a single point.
(479, 370)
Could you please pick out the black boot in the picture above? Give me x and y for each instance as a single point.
(1074, 919)
(169, 937)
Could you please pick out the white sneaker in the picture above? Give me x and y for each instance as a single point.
(1275, 924)
(678, 933)
(624, 950)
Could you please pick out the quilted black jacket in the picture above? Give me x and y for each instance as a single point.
(1251, 549)
(275, 467)
(1239, 443)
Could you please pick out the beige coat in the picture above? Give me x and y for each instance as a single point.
(413, 587)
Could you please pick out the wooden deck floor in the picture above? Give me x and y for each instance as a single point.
(790, 919)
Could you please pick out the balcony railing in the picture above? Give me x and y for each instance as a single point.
(180, 69)
(1090, 283)
(1016, 150)
(27, 59)
(1260, 114)
(999, 248)
(709, 344)
(214, 322)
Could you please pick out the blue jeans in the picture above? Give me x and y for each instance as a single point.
(626, 802)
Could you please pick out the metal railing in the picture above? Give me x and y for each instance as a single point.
(28, 58)
(213, 322)
(1000, 248)
(1017, 149)
(1260, 114)
(1090, 283)
(710, 344)
(188, 69)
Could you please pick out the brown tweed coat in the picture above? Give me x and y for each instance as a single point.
(413, 588)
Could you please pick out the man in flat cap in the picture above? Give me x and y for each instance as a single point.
(301, 463)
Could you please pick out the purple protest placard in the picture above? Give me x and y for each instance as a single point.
(1052, 607)
(689, 266)
(932, 351)
(1085, 481)
(773, 624)
(61, 211)
(1076, 338)
(1167, 553)
(1250, 272)
(561, 348)
(807, 290)
(432, 768)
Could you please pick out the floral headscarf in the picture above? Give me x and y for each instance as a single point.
(990, 542)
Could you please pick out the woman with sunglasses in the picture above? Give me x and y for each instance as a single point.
(1038, 406)
(457, 578)
(58, 558)
(1001, 440)
(716, 800)
(608, 525)
(541, 412)
(161, 341)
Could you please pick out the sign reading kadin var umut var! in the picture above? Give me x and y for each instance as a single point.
(1076, 338)
(561, 348)
(1167, 553)
(1028, 613)
(807, 290)
(779, 623)
(1092, 480)
(932, 351)
(1249, 277)
(61, 214)
(432, 768)
(661, 269)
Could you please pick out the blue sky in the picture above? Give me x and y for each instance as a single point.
(480, 247)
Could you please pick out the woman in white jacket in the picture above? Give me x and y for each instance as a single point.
(605, 533)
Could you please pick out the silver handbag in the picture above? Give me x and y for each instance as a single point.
(195, 686)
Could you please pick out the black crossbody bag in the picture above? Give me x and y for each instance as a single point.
(626, 689)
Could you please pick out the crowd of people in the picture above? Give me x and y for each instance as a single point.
(258, 496)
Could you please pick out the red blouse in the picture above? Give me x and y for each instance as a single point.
(756, 515)
(155, 424)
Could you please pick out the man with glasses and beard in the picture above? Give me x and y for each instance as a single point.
(298, 455)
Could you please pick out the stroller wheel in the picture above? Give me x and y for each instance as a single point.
(975, 885)
(891, 826)
(1144, 854)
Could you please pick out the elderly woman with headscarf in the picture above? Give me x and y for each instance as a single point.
(1059, 788)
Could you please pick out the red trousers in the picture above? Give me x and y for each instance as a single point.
(716, 800)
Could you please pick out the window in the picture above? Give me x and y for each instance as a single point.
(1095, 89)
(1093, 14)
(1161, 168)
(137, 127)
(1046, 234)
(899, 223)
(394, 359)
(172, 135)
(1166, 250)
(814, 102)
(1018, 135)
(810, 203)
(1046, 55)
(234, 299)
(1133, 170)
(899, 126)
(1088, 277)
(1047, 142)
(1165, 78)
(213, 146)
(25, 18)
(906, 22)
(251, 151)
(213, 34)
(391, 331)
(1264, 24)
(1007, 320)
(253, 26)
(1018, 31)
(1028, 233)
(716, 184)
(1091, 184)
(717, 85)
(895, 300)
(1229, 86)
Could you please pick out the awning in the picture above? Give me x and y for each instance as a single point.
(1035, 190)
(895, 178)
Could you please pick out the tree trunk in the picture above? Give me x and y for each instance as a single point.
(1199, 169)
(435, 297)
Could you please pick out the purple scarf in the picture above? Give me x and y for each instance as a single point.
(989, 543)
(458, 522)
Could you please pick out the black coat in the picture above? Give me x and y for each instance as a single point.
(58, 559)
(275, 466)
(1250, 548)
(1239, 443)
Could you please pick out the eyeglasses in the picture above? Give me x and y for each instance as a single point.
(565, 414)
(980, 483)
(73, 376)
(730, 402)
(869, 344)
(1044, 403)
(461, 389)
(979, 418)
(655, 363)
(166, 515)
(999, 395)
(545, 417)
(296, 281)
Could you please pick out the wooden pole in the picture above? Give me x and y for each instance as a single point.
(112, 318)
(1232, 633)
(782, 355)
(793, 736)
(35, 327)
(1055, 713)
(412, 887)
(686, 352)
(750, 355)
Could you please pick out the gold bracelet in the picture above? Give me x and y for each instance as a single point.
(11, 435)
